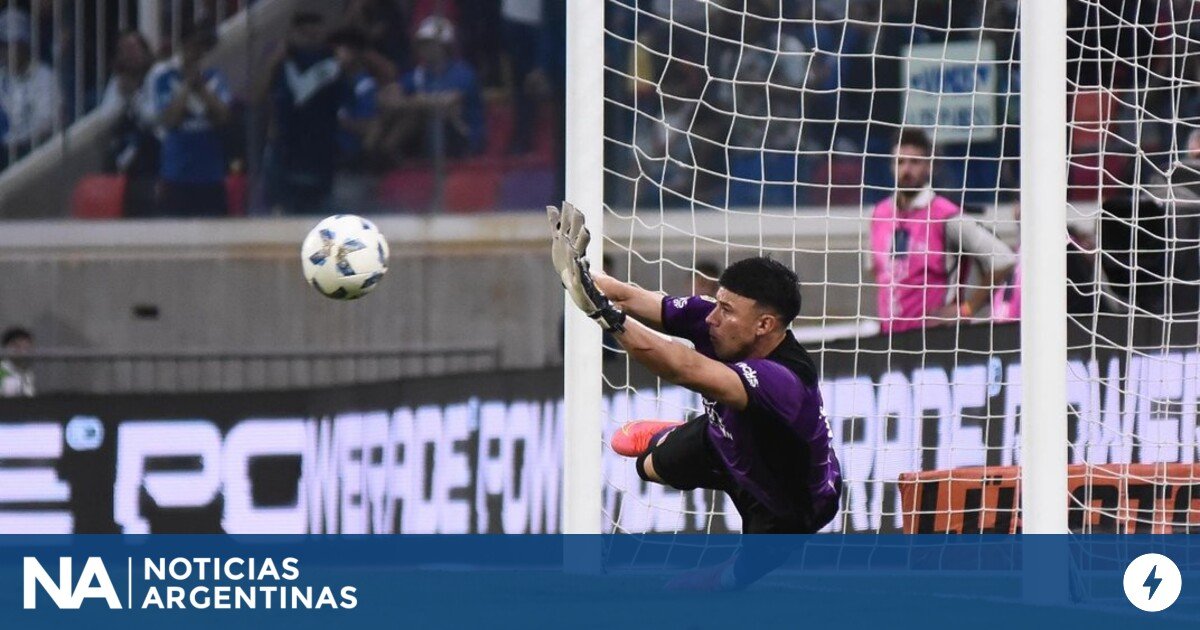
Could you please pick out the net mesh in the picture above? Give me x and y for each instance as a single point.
(745, 127)
(1133, 265)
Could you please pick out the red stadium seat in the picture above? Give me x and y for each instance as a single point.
(1091, 114)
(499, 128)
(472, 189)
(839, 184)
(99, 197)
(545, 128)
(407, 190)
(236, 188)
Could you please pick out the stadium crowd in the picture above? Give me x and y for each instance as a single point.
(762, 103)
(380, 100)
(730, 102)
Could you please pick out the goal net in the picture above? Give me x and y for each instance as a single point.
(1134, 278)
(734, 128)
(764, 127)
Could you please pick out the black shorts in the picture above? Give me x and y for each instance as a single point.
(686, 460)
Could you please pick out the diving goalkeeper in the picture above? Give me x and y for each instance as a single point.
(763, 438)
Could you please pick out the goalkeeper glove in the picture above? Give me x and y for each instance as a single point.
(569, 239)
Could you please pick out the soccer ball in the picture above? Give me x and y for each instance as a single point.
(344, 257)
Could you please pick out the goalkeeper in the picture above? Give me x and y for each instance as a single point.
(763, 438)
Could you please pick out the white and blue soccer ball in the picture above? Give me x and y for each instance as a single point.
(344, 257)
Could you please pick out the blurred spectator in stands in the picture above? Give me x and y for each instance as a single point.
(305, 95)
(29, 94)
(1193, 147)
(522, 24)
(1006, 300)
(134, 149)
(131, 63)
(704, 278)
(481, 39)
(385, 26)
(860, 40)
(191, 103)
(442, 89)
(1087, 287)
(762, 69)
(16, 375)
(1151, 238)
(919, 244)
(358, 132)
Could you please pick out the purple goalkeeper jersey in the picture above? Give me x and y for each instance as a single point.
(780, 447)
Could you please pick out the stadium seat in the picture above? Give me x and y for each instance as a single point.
(407, 190)
(236, 188)
(839, 183)
(1089, 171)
(526, 189)
(499, 128)
(1091, 114)
(471, 189)
(99, 196)
(545, 127)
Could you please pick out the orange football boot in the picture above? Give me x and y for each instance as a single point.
(634, 438)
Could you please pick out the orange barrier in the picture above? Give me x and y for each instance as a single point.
(1109, 498)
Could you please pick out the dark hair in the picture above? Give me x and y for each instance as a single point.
(351, 37)
(913, 137)
(13, 334)
(767, 282)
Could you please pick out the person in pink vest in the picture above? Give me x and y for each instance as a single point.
(1006, 300)
(919, 242)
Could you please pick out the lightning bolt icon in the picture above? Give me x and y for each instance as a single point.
(1152, 582)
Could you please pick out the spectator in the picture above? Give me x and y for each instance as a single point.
(762, 70)
(384, 25)
(305, 96)
(1087, 292)
(16, 376)
(1193, 147)
(134, 150)
(358, 132)
(1006, 300)
(131, 63)
(442, 88)
(918, 239)
(704, 278)
(522, 24)
(1152, 238)
(481, 38)
(191, 103)
(29, 93)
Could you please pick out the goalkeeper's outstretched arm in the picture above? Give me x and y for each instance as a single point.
(681, 365)
(641, 304)
(610, 302)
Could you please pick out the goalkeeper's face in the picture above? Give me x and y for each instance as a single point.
(913, 167)
(735, 324)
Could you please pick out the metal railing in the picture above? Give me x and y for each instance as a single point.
(105, 372)
(65, 51)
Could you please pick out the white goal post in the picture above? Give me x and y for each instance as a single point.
(582, 480)
(1043, 30)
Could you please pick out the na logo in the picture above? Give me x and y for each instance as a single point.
(93, 583)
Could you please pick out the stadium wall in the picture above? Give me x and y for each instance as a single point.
(235, 285)
(483, 453)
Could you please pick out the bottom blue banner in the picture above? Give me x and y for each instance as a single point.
(684, 581)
